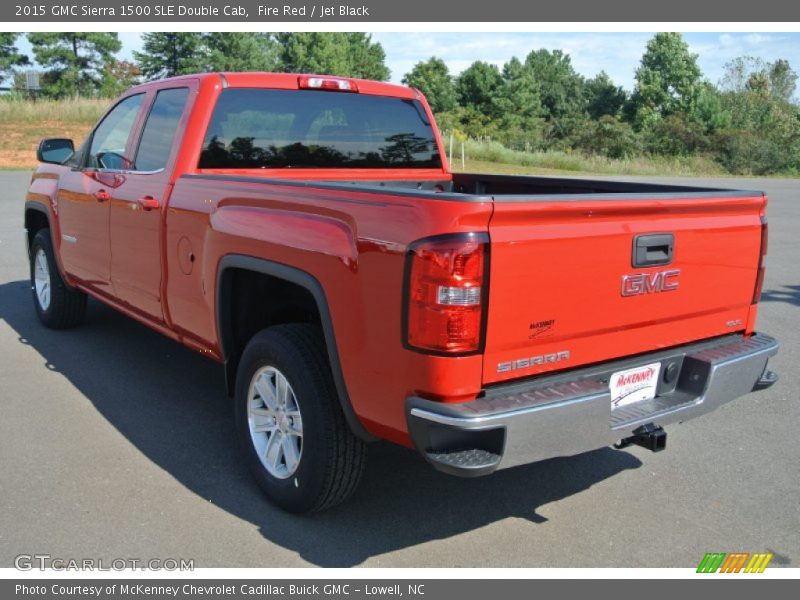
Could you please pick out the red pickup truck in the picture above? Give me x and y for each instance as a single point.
(306, 232)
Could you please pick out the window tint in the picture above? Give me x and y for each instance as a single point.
(257, 128)
(107, 150)
(159, 130)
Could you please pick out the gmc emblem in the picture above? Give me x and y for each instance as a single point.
(650, 283)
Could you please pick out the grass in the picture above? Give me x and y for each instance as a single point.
(25, 122)
(506, 161)
(83, 111)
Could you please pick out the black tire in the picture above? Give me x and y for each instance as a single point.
(67, 306)
(332, 458)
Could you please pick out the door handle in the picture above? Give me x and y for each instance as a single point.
(102, 195)
(653, 250)
(148, 203)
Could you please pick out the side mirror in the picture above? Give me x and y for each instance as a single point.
(55, 150)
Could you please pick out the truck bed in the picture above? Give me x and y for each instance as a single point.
(560, 252)
(503, 188)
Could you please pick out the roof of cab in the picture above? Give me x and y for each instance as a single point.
(289, 81)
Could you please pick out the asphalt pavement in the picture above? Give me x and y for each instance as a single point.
(118, 443)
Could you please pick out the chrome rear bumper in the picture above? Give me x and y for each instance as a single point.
(570, 413)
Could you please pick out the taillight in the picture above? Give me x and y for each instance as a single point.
(762, 267)
(334, 84)
(446, 293)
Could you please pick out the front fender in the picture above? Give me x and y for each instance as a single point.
(41, 197)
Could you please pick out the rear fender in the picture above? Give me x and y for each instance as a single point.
(300, 278)
(322, 234)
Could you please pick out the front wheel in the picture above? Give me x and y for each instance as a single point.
(290, 424)
(57, 305)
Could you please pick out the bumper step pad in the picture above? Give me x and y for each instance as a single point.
(465, 462)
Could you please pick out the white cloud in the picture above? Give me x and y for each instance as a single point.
(726, 40)
(757, 39)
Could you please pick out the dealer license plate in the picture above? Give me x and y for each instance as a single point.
(634, 385)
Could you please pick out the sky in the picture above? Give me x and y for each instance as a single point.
(618, 54)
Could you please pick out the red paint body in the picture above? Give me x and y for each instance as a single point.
(555, 269)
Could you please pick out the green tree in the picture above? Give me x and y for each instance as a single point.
(744, 93)
(763, 135)
(477, 86)
(667, 81)
(241, 51)
(10, 56)
(118, 76)
(783, 80)
(433, 79)
(753, 90)
(738, 71)
(518, 106)
(561, 87)
(74, 61)
(343, 54)
(314, 52)
(602, 97)
(367, 58)
(745, 73)
(165, 54)
(707, 109)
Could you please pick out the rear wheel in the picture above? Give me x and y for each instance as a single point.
(57, 305)
(290, 424)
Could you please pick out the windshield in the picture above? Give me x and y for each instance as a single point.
(261, 128)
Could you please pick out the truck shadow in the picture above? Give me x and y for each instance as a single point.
(170, 403)
(787, 293)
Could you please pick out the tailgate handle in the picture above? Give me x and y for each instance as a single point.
(653, 249)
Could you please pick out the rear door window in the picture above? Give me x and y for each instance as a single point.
(159, 131)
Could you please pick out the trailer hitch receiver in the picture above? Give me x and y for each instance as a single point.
(647, 436)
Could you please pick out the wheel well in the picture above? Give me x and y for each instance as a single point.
(35, 220)
(249, 302)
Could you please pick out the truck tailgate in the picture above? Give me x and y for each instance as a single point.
(564, 290)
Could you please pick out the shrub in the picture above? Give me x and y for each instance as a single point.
(609, 137)
(675, 136)
(755, 153)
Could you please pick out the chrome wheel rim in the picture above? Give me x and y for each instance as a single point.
(41, 279)
(276, 427)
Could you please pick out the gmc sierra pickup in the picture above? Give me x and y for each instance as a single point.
(306, 232)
